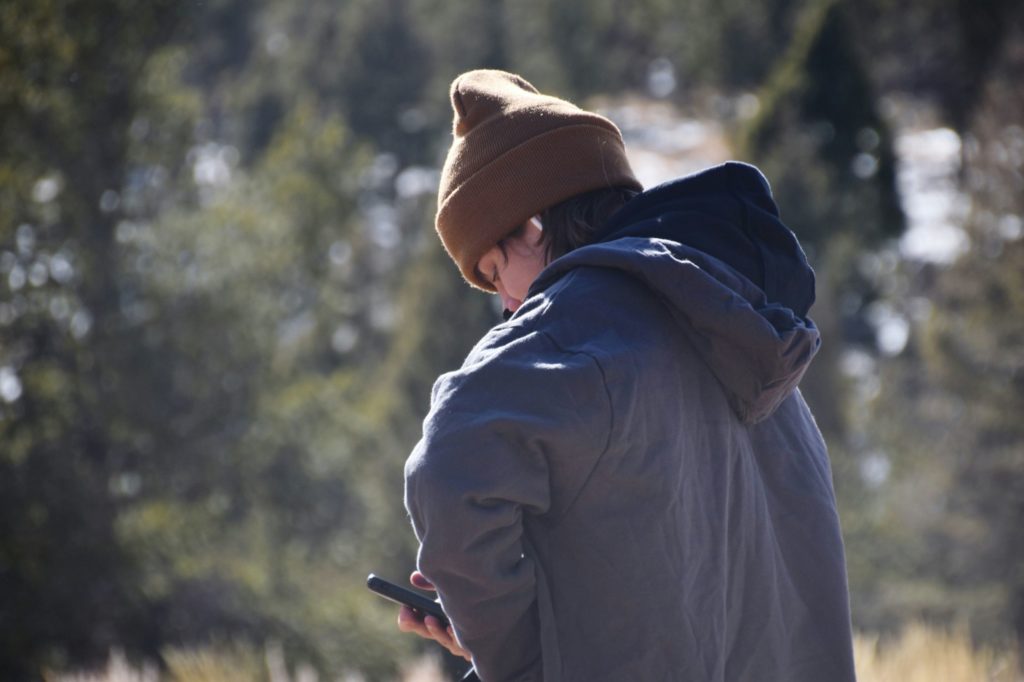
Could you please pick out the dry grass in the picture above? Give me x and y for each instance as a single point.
(118, 670)
(233, 664)
(919, 654)
(236, 664)
(925, 654)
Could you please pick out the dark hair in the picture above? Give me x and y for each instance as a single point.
(579, 220)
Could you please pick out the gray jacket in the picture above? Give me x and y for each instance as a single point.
(622, 482)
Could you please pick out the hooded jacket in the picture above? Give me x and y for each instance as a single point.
(623, 482)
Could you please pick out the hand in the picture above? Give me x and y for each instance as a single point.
(428, 627)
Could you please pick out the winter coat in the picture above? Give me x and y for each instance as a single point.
(623, 482)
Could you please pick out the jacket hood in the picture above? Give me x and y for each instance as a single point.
(712, 247)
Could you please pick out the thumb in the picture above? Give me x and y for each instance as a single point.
(419, 580)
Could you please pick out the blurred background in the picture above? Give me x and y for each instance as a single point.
(222, 303)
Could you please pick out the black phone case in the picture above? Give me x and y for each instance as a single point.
(401, 595)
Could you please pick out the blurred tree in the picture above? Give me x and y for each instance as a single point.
(382, 85)
(274, 512)
(70, 88)
(601, 45)
(182, 344)
(820, 135)
(974, 350)
(222, 305)
(955, 46)
(829, 157)
(942, 531)
(729, 43)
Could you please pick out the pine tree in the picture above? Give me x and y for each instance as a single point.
(829, 158)
(975, 351)
(71, 88)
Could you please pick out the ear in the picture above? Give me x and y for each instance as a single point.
(534, 230)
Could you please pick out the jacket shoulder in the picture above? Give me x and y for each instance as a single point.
(598, 310)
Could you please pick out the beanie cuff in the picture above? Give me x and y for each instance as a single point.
(541, 172)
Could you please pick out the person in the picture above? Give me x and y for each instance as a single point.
(622, 481)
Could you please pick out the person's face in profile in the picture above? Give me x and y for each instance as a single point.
(513, 264)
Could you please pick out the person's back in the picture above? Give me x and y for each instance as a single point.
(622, 481)
(697, 547)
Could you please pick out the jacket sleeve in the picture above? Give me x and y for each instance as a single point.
(510, 436)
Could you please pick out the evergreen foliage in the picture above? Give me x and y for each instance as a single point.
(818, 136)
(949, 418)
(222, 305)
(829, 156)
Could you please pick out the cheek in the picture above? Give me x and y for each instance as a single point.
(520, 275)
(518, 286)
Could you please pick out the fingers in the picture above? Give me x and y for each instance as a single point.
(410, 621)
(430, 628)
(445, 637)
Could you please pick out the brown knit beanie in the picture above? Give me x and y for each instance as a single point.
(517, 152)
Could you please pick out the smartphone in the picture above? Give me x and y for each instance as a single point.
(402, 595)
